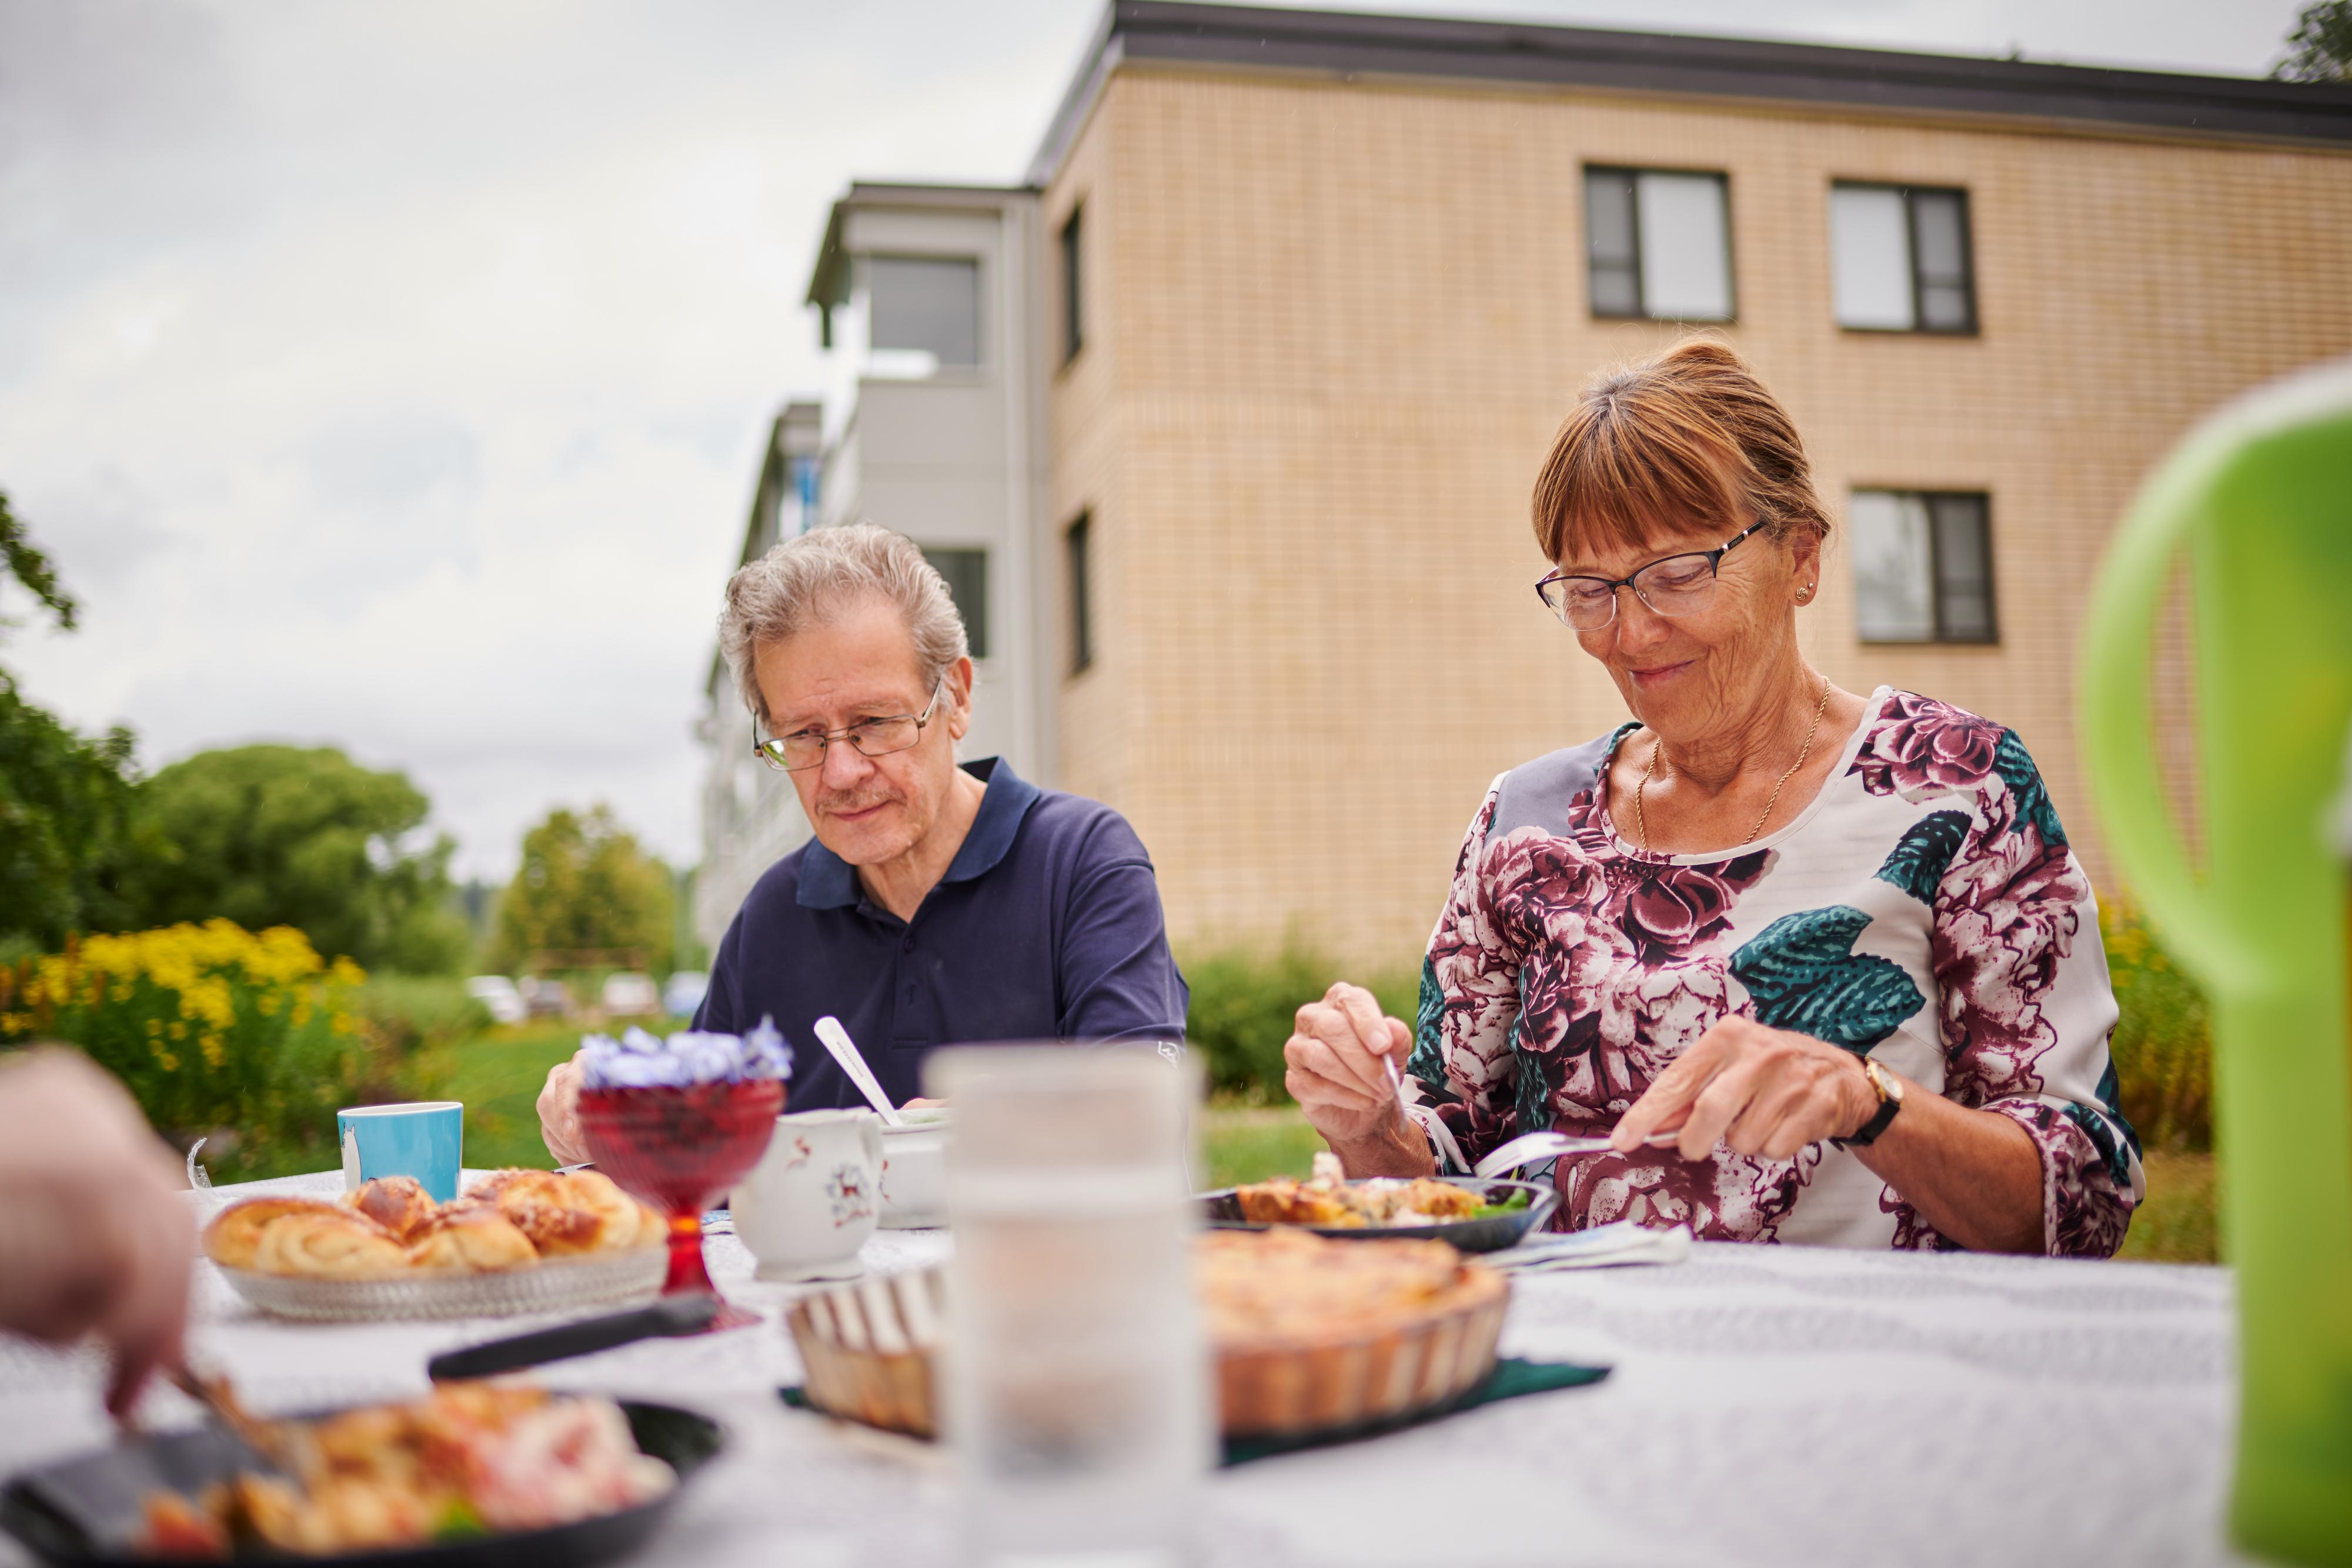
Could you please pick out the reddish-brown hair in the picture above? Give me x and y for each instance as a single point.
(1688, 436)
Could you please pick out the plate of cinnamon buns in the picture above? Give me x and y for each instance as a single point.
(515, 1241)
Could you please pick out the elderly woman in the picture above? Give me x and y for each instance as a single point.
(1835, 946)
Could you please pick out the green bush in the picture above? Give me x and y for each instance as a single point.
(2163, 1045)
(248, 1041)
(1245, 999)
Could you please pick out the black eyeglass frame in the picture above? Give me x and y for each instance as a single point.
(1714, 559)
(848, 731)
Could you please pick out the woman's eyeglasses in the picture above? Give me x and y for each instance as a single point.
(805, 749)
(1674, 585)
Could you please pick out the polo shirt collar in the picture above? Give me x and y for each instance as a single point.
(828, 881)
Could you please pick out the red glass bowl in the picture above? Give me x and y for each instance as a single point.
(678, 1149)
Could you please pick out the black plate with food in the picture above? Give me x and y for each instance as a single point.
(92, 1512)
(1488, 1217)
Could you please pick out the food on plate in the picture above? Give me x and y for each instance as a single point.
(234, 1236)
(1326, 1197)
(399, 1204)
(338, 1245)
(582, 1211)
(471, 1241)
(509, 1219)
(471, 1459)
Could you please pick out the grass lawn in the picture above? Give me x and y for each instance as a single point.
(2176, 1225)
(499, 1075)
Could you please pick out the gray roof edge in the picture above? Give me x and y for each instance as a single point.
(1540, 55)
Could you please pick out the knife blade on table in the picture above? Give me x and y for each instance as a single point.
(668, 1318)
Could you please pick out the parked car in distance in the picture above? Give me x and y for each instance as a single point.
(498, 997)
(547, 999)
(683, 993)
(628, 996)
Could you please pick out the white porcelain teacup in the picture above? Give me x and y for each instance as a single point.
(915, 1171)
(813, 1199)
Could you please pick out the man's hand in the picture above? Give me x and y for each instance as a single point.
(1337, 1068)
(559, 1113)
(94, 1238)
(1760, 1091)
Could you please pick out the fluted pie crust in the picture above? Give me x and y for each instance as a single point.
(1312, 1335)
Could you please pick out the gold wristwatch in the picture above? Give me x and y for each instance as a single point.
(1890, 1099)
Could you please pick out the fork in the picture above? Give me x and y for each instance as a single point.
(1529, 1147)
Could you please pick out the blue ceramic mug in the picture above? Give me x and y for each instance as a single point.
(425, 1140)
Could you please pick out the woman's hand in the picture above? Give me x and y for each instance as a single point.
(559, 1113)
(1337, 1070)
(1758, 1091)
(93, 1237)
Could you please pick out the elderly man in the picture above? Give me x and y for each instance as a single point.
(938, 903)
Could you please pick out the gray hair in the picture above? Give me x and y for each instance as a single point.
(804, 581)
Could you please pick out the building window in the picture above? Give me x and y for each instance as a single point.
(1082, 605)
(966, 572)
(1659, 244)
(1899, 259)
(929, 305)
(1074, 313)
(1922, 568)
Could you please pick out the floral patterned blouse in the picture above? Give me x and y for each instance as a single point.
(1924, 910)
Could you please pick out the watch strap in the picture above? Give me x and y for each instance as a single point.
(1867, 1133)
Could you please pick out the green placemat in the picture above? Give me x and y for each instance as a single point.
(1512, 1378)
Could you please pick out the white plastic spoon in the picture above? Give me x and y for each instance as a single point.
(844, 1051)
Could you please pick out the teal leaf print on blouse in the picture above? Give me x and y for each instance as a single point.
(2100, 1125)
(1427, 1063)
(1803, 973)
(1924, 853)
(2025, 787)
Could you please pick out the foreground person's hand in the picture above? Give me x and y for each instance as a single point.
(1335, 1065)
(1758, 1091)
(559, 1113)
(94, 1238)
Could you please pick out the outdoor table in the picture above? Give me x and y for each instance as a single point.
(1770, 1405)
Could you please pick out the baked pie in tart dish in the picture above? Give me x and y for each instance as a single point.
(1311, 1336)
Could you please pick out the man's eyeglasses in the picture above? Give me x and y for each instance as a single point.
(805, 749)
(1674, 585)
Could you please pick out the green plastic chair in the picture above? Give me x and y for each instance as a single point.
(2261, 499)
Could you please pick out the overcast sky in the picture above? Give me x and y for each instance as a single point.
(390, 374)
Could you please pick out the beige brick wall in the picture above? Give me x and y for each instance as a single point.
(1335, 325)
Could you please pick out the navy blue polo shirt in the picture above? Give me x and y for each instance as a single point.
(1046, 926)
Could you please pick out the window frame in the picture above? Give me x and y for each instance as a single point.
(1077, 571)
(1908, 191)
(1074, 299)
(1642, 312)
(981, 360)
(1938, 635)
(977, 627)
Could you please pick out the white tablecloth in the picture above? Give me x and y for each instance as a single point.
(1770, 1405)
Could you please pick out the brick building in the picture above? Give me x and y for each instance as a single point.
(1307, 295)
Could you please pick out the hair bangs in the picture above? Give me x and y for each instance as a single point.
(1622, 474)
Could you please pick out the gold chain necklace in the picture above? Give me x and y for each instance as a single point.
(1641, 820)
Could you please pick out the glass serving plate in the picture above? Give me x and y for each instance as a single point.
(554, 1286)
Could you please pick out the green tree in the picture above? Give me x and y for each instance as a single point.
(2320, 48)
(66, 833)
(585, 884)
(284, 835)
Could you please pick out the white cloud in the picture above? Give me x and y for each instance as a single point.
(390, 374)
